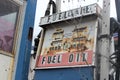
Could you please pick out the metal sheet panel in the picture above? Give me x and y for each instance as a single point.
(85, 73)
(5, 67)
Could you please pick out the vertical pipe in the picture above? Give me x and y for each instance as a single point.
(58, 5)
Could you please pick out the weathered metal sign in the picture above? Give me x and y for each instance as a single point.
(78, 12)
(68, 45)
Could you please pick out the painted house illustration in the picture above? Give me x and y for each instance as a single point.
(80, 40)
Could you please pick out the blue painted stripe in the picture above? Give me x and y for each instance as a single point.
(25, 46)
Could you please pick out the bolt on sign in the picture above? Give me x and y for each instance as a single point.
(70, 43)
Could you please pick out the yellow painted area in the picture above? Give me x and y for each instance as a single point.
(10, 73)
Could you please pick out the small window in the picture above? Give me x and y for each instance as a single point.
(8, 17)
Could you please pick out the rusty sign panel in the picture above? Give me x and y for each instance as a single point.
(67, 44)
(75, 13)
